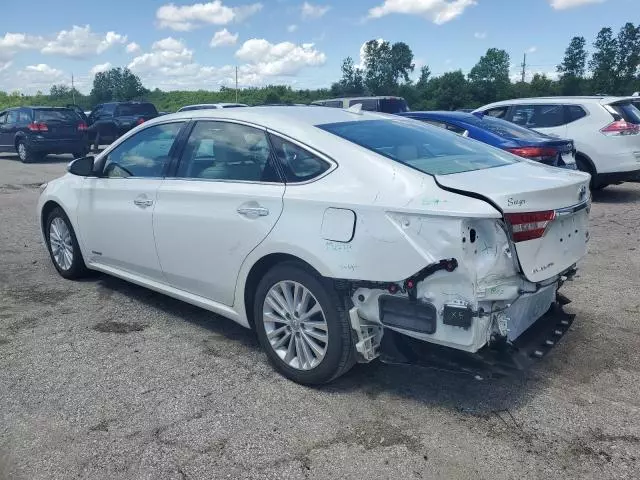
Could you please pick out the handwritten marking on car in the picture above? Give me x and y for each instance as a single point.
(543, 268)
(338, 247)
(516, 202)
(350, 267)
(433, 201)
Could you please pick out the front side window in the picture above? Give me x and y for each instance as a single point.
(145, 154)
(498, 112)
(538, 116)
(428, 149)
(298, 164)
(12, 117)
(227, 151)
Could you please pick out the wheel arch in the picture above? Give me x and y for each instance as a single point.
(259, 269)
(19, 136)
(589, 162)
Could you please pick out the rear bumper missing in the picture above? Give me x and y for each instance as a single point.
(492, 360)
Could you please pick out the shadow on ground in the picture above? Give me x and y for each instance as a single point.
(617, 194)
(450, 390)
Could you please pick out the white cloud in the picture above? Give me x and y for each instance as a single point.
(171, 65)
(189, 17)
(133, 47)
(480, 35)
(286, 58)
(292, 28)
(102, 67)
(438, 11)
(533, 49)
(564, 4)
(223, 38)
(309, 10)
(81, 42)
(12, 43)
(5, 65)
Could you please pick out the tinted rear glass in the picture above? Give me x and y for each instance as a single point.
(57, 115)
(426, 148)
(627, 111)
(136, 109)
(393, 105)
(505, 129)
(232, 106)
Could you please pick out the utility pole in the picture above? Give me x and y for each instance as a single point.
(73, 89)
(524, 66)
(236, 84)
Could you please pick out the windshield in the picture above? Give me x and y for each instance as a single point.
(127, 109)
(503, 128)
(426, 148)
(57, 115)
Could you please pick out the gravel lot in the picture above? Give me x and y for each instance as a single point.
(102, 379)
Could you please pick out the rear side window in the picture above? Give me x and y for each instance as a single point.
(127, 109)
(24, 116)
(333, 104)
(58, 115)
(393, 105)
(575, 112)
(298, 164)
(538, 116)
(628, 112)
(368, 104)
(420, 146)
(498, 112)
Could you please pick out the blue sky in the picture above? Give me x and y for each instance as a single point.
(186, 44)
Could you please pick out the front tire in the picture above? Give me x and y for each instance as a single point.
(302, 325)
(63, 246)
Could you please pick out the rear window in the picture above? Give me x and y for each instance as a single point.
(628, 112)
(505, 129)
(233, 106)
(57, 115)
(127, 109)
(426, 148)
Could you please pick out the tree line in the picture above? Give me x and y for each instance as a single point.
(612, 68)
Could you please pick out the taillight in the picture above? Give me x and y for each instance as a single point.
(82, 127)
(533, 152)
(38, 127)
(619, 128)
(530, 225)
(140, 121)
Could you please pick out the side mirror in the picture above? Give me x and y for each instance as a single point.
(82, 167)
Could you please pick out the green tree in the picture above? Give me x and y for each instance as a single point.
(449, 91)
(385, 65)
(572, 68)
(401, 62)
(627, 57)
(425, 75)
(116, 84)
(603, 62)
(59, 91)
(541, 86)
(352, 81)
(490, 76)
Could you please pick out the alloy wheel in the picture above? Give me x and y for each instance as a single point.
(61, 243)
(22, 151)
(295, 325)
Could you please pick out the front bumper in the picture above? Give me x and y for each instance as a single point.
(498, 359)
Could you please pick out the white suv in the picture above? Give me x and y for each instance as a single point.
(605, 131)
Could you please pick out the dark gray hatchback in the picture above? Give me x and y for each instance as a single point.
(34, 132)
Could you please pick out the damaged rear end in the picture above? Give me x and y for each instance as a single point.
(487, 300)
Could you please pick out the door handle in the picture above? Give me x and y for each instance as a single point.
(253, 212)
(143, 202)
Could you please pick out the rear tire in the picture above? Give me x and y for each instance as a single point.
(63, 246)
(302, 351)
(26, 154)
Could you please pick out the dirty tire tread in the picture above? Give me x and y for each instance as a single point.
(78, 268)
(347, 354)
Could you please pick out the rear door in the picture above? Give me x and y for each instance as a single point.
(223, 200)
(549, 119)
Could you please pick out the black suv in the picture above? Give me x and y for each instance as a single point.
(108, 121)
(34, 132)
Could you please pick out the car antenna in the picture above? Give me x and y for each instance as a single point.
(357, 109)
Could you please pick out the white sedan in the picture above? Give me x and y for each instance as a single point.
(327, 231)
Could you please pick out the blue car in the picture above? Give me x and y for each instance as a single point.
(508, 136)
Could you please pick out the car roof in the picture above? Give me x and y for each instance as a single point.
(599, 99)
(213, 105)
(282, 119)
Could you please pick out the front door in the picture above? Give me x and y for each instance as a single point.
(116, 209)
(5, 143)
(225, 199)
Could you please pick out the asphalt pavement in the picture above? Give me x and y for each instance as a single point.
(100, 379)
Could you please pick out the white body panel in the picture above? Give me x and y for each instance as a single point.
(368, 219)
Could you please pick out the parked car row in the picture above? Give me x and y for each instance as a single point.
(339, 235)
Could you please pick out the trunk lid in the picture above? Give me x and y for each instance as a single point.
(527, 187)
(61, 123)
